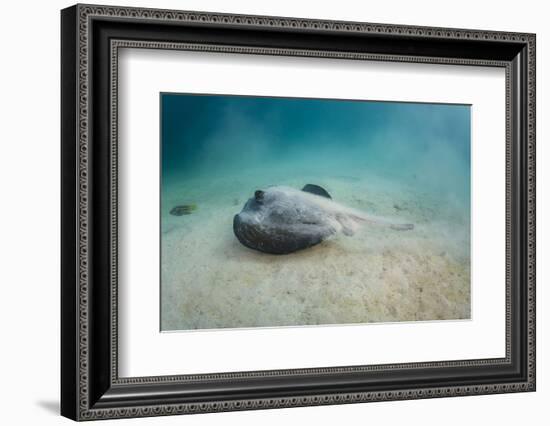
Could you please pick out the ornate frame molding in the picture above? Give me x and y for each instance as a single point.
(82, 16)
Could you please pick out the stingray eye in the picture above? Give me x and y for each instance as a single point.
(259, 195)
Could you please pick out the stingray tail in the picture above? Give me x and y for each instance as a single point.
(384, 222)
(402, 226)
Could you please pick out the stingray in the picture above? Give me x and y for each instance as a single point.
(282, 220)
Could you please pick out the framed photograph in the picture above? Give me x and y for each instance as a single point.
(263, 212)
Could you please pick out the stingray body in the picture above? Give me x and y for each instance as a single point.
(282, 220)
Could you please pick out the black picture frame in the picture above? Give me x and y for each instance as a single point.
(90, 386)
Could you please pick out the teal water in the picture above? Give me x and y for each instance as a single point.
(409, 161)
(224, 135)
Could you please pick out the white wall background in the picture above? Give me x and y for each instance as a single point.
(29, 212)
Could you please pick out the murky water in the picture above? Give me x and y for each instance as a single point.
(407, 162)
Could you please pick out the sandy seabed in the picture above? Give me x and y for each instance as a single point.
(209, 280)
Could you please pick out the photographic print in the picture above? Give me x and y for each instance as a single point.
(284, 183)
(279, 211)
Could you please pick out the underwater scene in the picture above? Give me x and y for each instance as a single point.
(298, 212)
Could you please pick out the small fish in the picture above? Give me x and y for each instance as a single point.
(183, 209)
